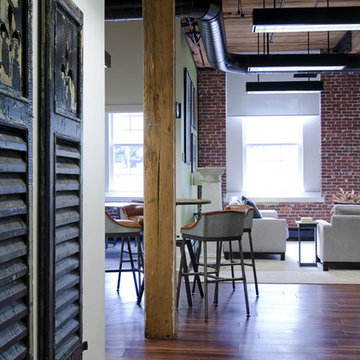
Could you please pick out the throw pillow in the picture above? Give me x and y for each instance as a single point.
(249, 202)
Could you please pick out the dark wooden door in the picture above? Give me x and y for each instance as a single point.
(15, 179)
(61, 185)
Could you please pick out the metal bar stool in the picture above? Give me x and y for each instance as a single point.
(248, 221)
(184, 270)
(216, 226)
(124, 230)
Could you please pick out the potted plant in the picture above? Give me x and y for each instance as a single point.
(346, 197)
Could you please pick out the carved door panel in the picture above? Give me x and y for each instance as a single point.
(61, 185)
(15, 179)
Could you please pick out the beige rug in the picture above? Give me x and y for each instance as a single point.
(274, 271)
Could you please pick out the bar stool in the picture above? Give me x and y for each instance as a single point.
(248, 221)
(182, 274)
(216, 226)
(123, 230)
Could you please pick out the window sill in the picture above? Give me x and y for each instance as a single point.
(300, 198)
(116, 197)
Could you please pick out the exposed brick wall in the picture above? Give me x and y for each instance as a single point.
(212, 120)
(340, 139)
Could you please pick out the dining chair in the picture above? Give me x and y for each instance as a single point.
(123, 230)
(248, 222)
(216, 226)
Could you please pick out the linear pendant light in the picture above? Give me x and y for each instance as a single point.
(274, 20)
(297, 63)
(284, 87)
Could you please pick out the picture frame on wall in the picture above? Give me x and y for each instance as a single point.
(194, 153)
(189, 114)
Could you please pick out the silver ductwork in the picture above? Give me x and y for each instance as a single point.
(212, 29)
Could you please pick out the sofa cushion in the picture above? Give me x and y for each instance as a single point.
(346, 209)
(249, 202)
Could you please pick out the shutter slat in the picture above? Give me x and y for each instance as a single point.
(12, 184)
(67, 183)
(66, 249)
(12, 205)
(12, 334)
(67, 232)
(12, 161)
(66, 298)
(67, 167)
(68, 313)
(12, 292)
(67, 348)
(69, 199)
(67, 216)
(12, 313)
(11, 141)
(16, 352)
(12, 227)
(65, 332)
(67, 281)
(12, 271)
(11, 249)
(66, 265)
(66, 149)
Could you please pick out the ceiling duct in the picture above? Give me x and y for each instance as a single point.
(211, 23)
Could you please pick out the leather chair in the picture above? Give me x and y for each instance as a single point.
(216, 226)
(134, 212)
(123, 230)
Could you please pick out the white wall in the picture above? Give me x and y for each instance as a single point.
(125, 79)
(93, 176)
(93, 179)
(124, 90)
(241, 105)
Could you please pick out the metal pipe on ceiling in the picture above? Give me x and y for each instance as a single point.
(212, 29)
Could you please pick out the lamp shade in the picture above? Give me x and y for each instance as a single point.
(274, 20)
(284, 87)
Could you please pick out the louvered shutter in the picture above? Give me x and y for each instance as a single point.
(61, 164)
(15, 179)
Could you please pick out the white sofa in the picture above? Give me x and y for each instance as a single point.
(339, 241)
(269, 235)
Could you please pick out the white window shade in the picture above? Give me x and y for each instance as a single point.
(272, 156)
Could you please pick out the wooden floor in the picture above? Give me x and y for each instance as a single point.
(288, 322)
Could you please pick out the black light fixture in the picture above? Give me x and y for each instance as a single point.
(284, 87)
(300, 63)
(272, 20)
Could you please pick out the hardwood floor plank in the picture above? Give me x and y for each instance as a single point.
(288, 322)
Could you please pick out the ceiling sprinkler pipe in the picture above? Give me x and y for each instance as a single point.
(211, 23)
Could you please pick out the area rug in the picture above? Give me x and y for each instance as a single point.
(273, 271)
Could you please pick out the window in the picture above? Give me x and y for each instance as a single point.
(272, 156)
(125, 154)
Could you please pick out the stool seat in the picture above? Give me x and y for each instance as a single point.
(124, 230)
(215, 226)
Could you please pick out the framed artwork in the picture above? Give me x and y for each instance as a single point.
(194, 155)
(190, 115)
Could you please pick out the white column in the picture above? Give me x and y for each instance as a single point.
(210, 179)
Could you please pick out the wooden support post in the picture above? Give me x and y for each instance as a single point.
(159, 167)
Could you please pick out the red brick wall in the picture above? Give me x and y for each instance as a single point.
(340, 138)
(212, 120)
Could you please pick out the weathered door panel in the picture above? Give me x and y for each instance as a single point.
(61, 184)
(15, 179)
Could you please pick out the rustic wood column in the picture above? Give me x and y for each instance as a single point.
(159, 167)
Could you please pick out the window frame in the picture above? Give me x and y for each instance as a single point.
(110, 193)
(299, 145)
